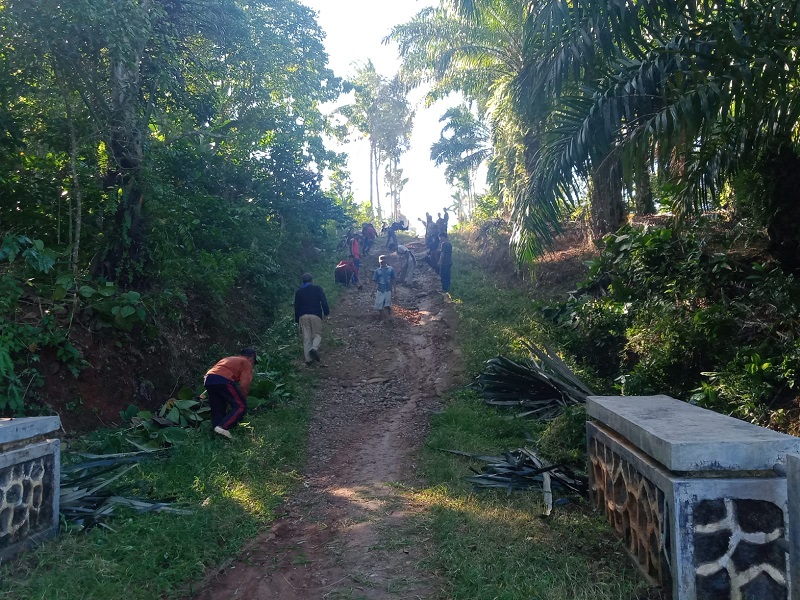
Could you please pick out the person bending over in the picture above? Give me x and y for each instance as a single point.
(228, 384)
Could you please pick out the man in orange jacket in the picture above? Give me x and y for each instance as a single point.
(228, 383)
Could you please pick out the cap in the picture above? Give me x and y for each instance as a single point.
(250, 352)
(382, 258)
(307, 277)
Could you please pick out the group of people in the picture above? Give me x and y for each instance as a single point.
(346, 272)
(440, 250)
(228, 382)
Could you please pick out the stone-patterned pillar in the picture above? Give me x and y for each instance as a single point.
(30, 471)
(695, 497)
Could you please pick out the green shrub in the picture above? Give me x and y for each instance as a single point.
(665, 311)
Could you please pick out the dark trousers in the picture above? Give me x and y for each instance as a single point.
(222, 396)
(444, 273)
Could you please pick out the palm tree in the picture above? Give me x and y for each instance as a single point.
(517, 60)
(463, 146)
(482, 59)
(706, 92)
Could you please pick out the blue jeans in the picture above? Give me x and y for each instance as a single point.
(444, 273)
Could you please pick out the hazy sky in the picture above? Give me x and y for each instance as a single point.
(354, 31)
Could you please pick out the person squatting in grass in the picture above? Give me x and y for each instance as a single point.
(384, 278)
(228, 384)
(345, 272)
(310, 304)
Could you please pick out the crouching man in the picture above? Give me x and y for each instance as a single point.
(228, 384)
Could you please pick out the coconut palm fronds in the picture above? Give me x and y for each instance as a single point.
(91, 489)
(542, 387)
(522, 469)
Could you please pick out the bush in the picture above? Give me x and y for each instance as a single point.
(666, 311)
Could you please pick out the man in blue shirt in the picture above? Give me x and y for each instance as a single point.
(384, 277)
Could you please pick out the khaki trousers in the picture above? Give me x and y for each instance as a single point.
(311, 330)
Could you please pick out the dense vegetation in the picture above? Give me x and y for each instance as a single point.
(595, 103)
(592, 111)
(676, 312)
(159, 180)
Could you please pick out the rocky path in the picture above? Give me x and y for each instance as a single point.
(345, 535)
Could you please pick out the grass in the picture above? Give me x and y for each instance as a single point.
(493, 317)
(234, 490)
(492, 545)
(489, 544)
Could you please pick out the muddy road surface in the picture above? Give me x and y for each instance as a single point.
(345, 533)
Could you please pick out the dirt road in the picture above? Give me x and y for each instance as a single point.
(344, 534)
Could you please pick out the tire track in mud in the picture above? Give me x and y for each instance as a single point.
(341, 536)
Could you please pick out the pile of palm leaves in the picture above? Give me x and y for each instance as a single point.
(522, 469)
(91, 489)
(542, 386)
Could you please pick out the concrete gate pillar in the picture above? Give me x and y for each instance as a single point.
(30, 471)
(695, 495)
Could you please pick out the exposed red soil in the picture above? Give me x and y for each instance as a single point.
(377, 384)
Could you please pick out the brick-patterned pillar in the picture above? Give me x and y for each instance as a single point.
(697, 497)
(30, 472)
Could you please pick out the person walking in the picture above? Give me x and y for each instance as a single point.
(228, 384)
(355, 255)
(310, 304)
(445, 261)
(384, 278)
(368, 234)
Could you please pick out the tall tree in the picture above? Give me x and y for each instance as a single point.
(163, 99)
(706, 90)
(463, 145)
(382, 114)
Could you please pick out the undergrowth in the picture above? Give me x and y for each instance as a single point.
(691, 313)
(493, 545)
(233, 490)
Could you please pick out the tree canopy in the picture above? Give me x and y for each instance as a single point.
(596, 97)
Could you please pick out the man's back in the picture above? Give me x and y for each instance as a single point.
(446, 251)
(310, 300)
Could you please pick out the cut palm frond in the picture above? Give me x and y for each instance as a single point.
(90, 489)
(541, 387)
(522, 469)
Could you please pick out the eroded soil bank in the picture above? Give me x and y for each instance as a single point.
(343, 534)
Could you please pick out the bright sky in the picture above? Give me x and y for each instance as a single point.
(355, 29)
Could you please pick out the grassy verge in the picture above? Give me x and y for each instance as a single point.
(233, 489)
(493, 545)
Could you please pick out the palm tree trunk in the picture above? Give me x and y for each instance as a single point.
(644, 191)
(377, 186)
(606, 204)
(781, 172)
(371, 174)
